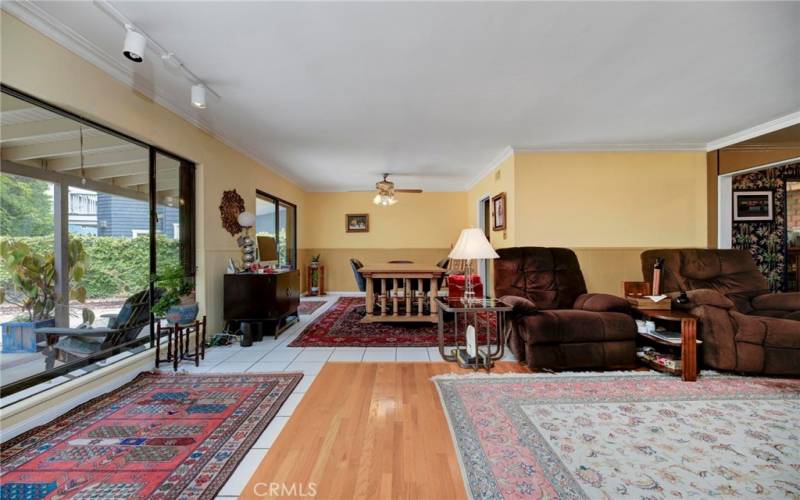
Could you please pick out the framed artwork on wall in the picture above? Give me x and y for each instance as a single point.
(752, 206)
(357, 223)
(499, 212)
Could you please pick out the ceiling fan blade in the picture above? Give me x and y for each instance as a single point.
(407, 190)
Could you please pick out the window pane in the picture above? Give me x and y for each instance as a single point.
(26, 228)
(265, 218)
(286, 240)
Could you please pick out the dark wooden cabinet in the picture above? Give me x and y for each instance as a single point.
(266, 301)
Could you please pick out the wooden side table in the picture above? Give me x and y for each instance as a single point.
(688, 342)
(178, 339)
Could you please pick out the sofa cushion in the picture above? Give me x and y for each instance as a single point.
(602, 302)
(571, 325)
(549, 277)
(778, 301)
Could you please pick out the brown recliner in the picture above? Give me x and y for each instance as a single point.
(556, 324)
(744, 327)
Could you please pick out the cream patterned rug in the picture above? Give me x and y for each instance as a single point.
(624, 435)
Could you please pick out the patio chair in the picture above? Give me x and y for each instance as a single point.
(72, 344)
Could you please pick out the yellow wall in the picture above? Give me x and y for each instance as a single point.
(610, 206)
(500, 180)
(420, 227)
(38, 66)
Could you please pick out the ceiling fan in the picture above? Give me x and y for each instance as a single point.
(386, 191)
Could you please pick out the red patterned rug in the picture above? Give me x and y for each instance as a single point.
(340, 326)
(161, 436)
(626, 435)
(307, 307)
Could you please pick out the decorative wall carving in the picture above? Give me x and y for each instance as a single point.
(229, 209)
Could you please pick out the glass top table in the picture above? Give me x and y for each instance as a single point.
(487, 315)
(480, 304)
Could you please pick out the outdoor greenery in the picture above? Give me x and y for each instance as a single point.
(175, 284)
(32, 277)
(27, 208)
(114, 266)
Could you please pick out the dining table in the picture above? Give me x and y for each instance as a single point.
(395, 292)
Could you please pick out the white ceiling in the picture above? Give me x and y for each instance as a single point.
(334, 94)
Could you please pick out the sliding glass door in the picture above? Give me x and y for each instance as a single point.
(87, 217)
(278, 219)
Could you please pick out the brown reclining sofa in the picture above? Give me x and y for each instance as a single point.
(744, 327)
(556, 324)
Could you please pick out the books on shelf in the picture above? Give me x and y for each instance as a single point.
(666, 360)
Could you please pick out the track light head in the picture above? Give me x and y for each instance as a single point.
(134, 45)
(199, 96)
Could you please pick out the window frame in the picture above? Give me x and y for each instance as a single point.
(278, 202)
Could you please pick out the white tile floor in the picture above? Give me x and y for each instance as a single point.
(272, 355)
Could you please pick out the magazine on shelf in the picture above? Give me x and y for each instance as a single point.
(668, 335)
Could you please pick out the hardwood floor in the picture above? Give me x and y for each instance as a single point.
(367, 430)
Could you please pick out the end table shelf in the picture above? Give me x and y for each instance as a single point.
(688, 342)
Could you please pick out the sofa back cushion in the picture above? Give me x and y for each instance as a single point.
(729, 272)
(550, 277)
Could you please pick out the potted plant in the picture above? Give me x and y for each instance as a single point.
(315, 274)
(178, 303)
(33, 289)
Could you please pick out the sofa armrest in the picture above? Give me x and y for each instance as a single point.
(789, 301)
(520, 305)
(601, 302)
(705, 297)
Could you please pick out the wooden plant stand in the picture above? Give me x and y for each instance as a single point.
(320, 281)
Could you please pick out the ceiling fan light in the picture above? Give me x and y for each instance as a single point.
(392, 200)
(377, 199)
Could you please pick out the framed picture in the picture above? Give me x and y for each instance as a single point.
(499, 212)
(752, 206)
(357, 223)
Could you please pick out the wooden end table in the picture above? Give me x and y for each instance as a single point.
(178, 343)
(688, 342)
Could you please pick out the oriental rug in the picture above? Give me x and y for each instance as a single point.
(640, 435)
(161, 436)
(308, 307)
(340, 326)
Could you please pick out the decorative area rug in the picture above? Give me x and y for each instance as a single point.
(160, 436)
(307, 307)
(340, 326)
(616, 435)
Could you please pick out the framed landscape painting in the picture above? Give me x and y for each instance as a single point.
(752, 206)
(357, 223)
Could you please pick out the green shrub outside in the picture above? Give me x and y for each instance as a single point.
(117, 266)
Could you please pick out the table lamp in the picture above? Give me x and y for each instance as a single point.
(471, 244)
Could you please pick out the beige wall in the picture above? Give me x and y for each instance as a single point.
(420, 227)
(610, 206)
(37, 65)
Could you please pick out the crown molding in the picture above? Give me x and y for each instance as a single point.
(40, 20)
(753, 132)
(500, 158)
(610, 148)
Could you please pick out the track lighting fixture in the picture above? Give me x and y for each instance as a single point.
(134, 45)
(199, 96)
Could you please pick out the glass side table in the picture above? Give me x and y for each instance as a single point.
(488, 316)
